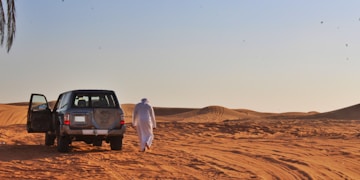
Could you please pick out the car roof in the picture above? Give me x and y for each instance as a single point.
(89, 91)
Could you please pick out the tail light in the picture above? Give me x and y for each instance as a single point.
(67, 119)
(122, 120)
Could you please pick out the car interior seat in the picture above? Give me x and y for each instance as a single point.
(81, 103)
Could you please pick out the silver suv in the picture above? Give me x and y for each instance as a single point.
(91, 116)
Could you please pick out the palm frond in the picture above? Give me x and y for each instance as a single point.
(2, 24)
(11, 24)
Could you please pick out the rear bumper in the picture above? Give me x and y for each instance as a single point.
(92, 132)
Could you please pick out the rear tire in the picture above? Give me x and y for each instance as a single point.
(49, 139)
(63, 143)
(116, 142)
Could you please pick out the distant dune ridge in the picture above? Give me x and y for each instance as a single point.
(348, 113)
(16, 113)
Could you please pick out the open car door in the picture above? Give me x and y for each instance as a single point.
(39, 116)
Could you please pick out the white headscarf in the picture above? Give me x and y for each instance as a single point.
(144, 100)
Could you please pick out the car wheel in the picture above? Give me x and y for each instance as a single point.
(49, 139)
(28, 128)
(116, 142)
(63, 143)
(97, 142)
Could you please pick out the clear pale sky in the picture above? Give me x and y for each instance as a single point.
(269, 56)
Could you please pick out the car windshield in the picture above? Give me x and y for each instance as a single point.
(94, 100)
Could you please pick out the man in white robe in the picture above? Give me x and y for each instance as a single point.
(144, 122)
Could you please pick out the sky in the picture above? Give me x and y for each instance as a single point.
(268, 56)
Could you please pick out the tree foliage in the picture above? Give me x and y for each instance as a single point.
(9, 24)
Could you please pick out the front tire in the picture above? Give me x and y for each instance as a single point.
(116, 142)
(28, 127)
(49, 139)
(63, 143)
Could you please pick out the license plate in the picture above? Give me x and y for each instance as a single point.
(101, 132)
(79, 119)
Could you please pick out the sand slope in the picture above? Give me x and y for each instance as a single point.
(12, 114)
(213, 142)
(350, 113)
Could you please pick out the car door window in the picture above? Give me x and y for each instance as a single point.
(38, 103)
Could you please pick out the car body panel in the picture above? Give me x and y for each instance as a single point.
(91, 116)
(39, 117)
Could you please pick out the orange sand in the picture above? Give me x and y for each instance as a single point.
(206, 143)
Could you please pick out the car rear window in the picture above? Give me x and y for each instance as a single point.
(94, 100)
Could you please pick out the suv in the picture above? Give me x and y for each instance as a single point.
(92, 116)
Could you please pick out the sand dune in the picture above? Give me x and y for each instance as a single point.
(12, 114)
(213, 142)
(208, 114)
(349, 113)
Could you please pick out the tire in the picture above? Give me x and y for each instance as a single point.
(97, 142)
(63, 143)
(28, 127)
(116, 142)
(49, 139)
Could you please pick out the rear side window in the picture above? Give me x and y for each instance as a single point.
(63, 101)
(94, 100)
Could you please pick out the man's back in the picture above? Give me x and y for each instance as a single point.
(143, 111)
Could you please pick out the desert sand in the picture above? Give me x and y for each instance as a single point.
(213, 142)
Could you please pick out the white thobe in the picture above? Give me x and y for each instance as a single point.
(144, 120)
